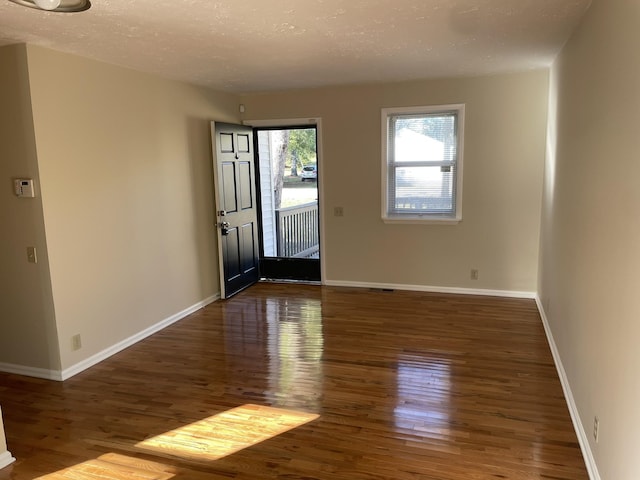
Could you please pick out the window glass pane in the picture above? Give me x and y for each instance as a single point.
(424, 138)
(424, 189)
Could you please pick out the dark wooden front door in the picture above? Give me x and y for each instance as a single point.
(236, 208)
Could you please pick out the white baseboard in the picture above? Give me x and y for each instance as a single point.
(118, 347)
(6, 459)
(106, 353)
(583, 439)
(31, 371)
(432, 289)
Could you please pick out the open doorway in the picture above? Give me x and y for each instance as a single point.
(290, 220)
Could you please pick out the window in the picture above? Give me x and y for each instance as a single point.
(422, 164)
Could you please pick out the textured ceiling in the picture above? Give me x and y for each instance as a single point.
(258, 45)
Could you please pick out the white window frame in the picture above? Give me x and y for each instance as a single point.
(423, 218)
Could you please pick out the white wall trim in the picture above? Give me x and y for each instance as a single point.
(583, 439)
(281, 122)
(118, 347)
(106, 353)
(432, 289)
(6, 459)
(31, 371)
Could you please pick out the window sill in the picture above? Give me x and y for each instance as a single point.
(422, 220)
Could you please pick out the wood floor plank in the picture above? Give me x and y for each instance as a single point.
(406, 386)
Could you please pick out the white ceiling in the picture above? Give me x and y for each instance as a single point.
(258, 45)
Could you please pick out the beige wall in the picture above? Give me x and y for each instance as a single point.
(125, 175)
(123, 170)
(27, 324)
(503, 165)
(590, 240)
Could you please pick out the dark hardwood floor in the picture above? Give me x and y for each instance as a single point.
(406, 386)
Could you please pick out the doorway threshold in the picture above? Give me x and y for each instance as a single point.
(288, 280)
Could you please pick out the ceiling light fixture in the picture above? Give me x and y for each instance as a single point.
(62, 6)
(48, 4)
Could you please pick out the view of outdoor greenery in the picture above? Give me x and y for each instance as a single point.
(302, 148)
(296, 151)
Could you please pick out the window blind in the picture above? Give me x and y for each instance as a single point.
(422, 164)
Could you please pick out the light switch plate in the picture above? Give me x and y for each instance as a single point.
(23, 188)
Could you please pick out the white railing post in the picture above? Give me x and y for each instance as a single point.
(297, 230)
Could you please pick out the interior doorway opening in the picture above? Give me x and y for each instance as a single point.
(290, 220)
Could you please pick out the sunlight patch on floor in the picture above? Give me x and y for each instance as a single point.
(225, 433)
(112, 467)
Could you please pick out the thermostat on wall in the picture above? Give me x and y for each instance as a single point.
(24, 187)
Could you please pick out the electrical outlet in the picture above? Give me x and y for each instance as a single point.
(76, 342)
(32, 255)
(474, 274)
(596, 428)
(338, 212)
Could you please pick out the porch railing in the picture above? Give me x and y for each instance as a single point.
(297, 231)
